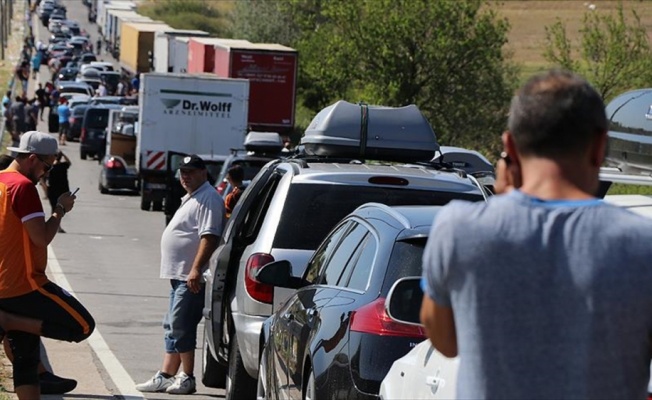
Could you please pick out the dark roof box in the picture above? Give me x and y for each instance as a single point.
(467, 160)
(346, 130)
(263, 142)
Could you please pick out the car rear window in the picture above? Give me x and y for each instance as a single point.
(312, 210)
(96, 119)
(79, 111)
(405, 261)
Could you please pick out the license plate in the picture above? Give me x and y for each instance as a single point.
(155, 185)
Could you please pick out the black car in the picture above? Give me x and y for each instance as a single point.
(76, 121)
(333, 337)
(93, 133)
(68, 74)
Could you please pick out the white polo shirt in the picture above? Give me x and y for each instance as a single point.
(201, 213)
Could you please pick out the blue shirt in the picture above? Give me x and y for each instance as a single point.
(64, 113)
(552, 299)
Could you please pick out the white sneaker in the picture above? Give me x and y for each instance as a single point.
(183, 384)
(158, 383)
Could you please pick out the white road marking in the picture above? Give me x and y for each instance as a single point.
(121, 379)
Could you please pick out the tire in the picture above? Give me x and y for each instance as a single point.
(157, 205)
(213, 373)
(144, 204)
(239, 385)
(103, 190)
(82, 154)
(309, 390)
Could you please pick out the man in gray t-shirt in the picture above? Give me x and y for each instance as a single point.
(544, 292)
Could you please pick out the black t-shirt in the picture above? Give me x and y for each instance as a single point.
(40, 95)
(58, 179)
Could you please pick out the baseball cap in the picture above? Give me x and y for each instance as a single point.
(36, 142)
(192, 162)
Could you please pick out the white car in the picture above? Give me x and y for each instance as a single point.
(423, 373)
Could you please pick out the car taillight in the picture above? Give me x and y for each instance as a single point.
(372, 318)
(258, 291)
(83, 135)
(114, 163)
(221, 187)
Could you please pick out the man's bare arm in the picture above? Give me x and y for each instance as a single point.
(440, 326)
(207, 245)
(41, 232)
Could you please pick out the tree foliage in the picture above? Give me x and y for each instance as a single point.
(444, 56)
(188, 14)
(613, 53)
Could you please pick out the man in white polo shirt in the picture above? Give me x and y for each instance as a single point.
(187, 244)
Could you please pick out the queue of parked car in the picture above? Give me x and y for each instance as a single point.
(296, 293)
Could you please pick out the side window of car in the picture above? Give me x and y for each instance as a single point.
(335, 265)
(359, 269)
(256, 213)
(314, 268)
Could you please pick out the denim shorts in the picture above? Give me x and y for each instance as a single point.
(185, 313)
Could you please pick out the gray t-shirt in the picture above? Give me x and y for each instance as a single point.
(201, 213)
(552, 299)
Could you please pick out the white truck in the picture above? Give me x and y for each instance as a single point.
(182, 113)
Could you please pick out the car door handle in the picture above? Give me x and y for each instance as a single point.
(435, 383)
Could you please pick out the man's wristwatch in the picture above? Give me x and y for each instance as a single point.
(63, 209)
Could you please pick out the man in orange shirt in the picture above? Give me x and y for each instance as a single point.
(31, 305)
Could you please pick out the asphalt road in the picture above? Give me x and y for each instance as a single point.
(109, 258)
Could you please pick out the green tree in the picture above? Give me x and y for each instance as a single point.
(444, 56)
(613, 53)
(188, 14)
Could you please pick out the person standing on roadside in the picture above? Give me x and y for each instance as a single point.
(17, 119)
(41, 96)
(235, 176)
(30, 305)
(187, 244)
(64, 123)
(55, 183)
(545, 290)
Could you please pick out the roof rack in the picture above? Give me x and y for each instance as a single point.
(364, 132)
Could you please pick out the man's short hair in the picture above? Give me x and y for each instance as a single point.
(556, 114)
(236, 173)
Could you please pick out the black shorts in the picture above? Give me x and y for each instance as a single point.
(64, 127)
(63, 316)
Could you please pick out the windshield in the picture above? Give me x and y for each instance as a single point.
(96, 119)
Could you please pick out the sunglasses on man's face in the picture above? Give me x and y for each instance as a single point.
(47, 166)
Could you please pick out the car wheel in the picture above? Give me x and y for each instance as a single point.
(145, 204)
(157, 205)
(213, 373)
(309, 390)
(239, 385)
(82, 154)
(103, 189)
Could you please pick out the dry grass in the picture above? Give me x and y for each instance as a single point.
(528, 19)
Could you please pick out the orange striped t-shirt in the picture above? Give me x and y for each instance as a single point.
(22, 263)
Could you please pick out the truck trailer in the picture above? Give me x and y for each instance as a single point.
(185, 113)
(272, 73)
(165, 48)
(137, 45)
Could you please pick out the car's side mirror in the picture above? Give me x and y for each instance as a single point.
(403, 302)
(279, 274)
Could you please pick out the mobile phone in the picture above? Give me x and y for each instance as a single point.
(73, 193)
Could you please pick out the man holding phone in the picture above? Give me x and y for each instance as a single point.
(30, 304)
